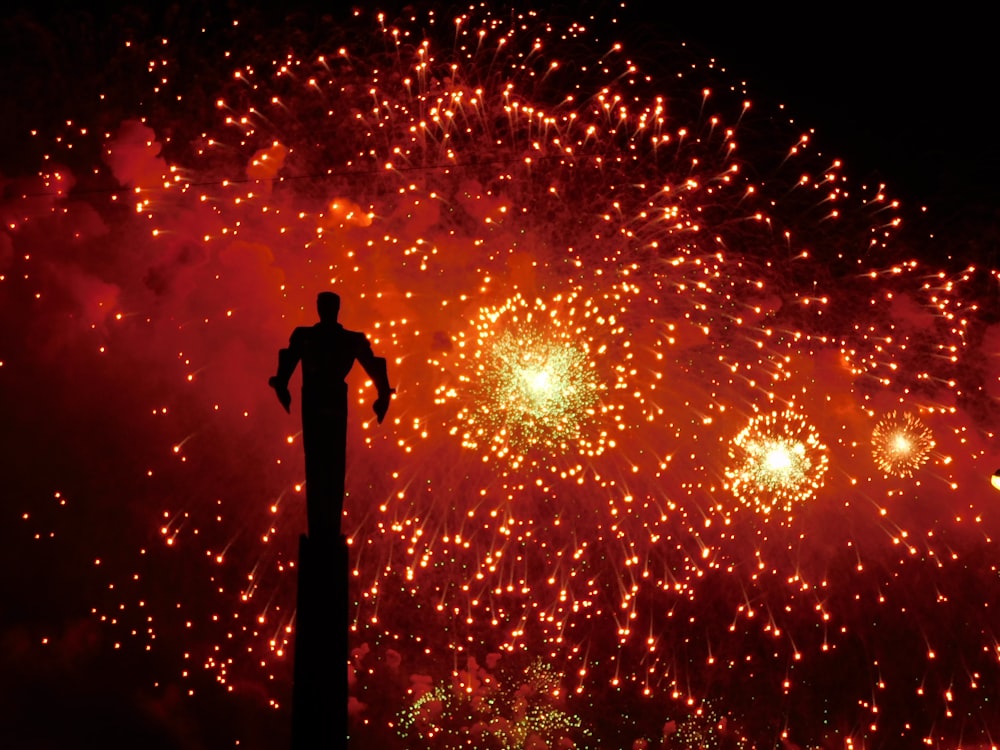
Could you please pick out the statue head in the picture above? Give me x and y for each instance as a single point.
(328, 306)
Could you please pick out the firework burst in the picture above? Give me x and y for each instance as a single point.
(901, 444)
(532, 378)
(778, 461)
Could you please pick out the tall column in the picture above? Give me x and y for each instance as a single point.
(319, 693)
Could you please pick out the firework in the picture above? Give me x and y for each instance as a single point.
(901, 444)
(510, 711)
(778, 462)
(532, 382)
(703, 728)
(622, 310)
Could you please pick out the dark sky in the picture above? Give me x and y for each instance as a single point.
(903, 94)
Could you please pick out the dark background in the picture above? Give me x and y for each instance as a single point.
(903, 95)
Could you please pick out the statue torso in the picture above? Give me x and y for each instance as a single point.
(327, 351)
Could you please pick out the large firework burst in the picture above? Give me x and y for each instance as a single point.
(531, 382)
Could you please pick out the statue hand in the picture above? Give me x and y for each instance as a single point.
(381, 405)
(281, 390)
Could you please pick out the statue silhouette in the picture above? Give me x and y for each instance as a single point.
(327, 352)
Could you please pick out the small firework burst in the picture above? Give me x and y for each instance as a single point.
(495, 707)
(778, 461)
(703, 728)
(901, 444)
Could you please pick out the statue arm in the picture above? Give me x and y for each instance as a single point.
(378, 371)
(288, 360)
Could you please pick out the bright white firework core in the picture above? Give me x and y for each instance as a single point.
(778, 459)
(901, 444)
(538, 380)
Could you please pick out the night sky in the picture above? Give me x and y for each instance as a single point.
(152, 486)
(898, 93)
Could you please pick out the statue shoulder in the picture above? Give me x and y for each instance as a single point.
(359, 340)
(300, 335)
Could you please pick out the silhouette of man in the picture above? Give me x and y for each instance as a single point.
(327, 352)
